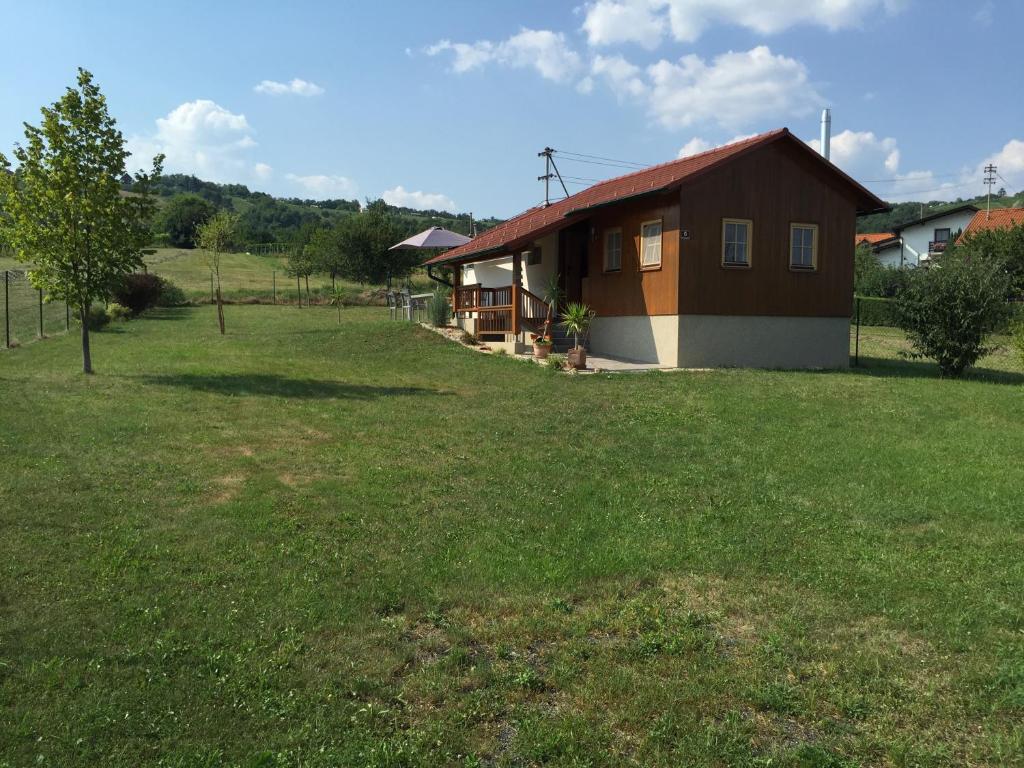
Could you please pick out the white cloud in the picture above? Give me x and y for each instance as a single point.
(543, 50)
(984, 14)
(324, 187)
(875, 162)
(734, 90)
(622, 77)
(610, 22)
(696, 145)
(419, 200)
(199, 137)
(862, 154)
(262, 171)
(295, 87)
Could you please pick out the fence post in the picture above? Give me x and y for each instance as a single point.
(274, 274)
(40, 313)
(856, 349)
(67, 317)
(7, 309)
(298, 290)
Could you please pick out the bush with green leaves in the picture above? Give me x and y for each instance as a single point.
(97, 317)
(439, 308)
(170, 295)
(950, 310)
(138, 291)
(1003, 246)
(1018, 339)
(118, 313)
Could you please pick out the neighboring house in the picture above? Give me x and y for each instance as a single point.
(998, 218)
(739, 256)
(873, 238)
(918, 241)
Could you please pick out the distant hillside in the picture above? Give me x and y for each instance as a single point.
(904, 213)
(268, 219)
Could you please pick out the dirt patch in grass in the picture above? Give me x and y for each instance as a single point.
(227, 488)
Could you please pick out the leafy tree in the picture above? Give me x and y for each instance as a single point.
(216, 237)
(64, 210)
(182, 216)
(362, 243)
(950, 310)
(871, 278)
(301, 264)
(1005, 247)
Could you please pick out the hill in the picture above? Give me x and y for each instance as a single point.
(269, 219)
(904, 213)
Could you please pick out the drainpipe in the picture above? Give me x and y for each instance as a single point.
(436, 278)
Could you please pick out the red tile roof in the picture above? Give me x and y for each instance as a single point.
(873, 238)
(1000, 218)
(538, 221)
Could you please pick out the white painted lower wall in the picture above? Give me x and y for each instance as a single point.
(716, 341)
(640, 338)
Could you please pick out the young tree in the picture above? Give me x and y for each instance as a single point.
(950, 309)
(363, 241)
(215, 237)
(63, 210)
(1004, 246)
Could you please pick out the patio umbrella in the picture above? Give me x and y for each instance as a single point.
(435, 237)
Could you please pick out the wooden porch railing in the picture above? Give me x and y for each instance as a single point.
(506, 309)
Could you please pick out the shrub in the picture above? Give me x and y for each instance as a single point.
(874, 310)
(118, 313)
(170, 295)
(1018, 339)
(97, 317)
(439, 309)
(138, 292)
(950, 309)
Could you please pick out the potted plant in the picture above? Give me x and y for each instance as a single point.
(577, 319)
(541, 346)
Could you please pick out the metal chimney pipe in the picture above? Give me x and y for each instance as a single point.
(826, 133)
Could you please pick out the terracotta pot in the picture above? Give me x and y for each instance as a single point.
(577, 357)
(541, 351)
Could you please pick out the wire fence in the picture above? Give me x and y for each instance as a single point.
(876, 339)
(28, 314)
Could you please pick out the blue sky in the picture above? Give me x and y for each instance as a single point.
(447, 104)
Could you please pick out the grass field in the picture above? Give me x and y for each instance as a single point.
(313, 544)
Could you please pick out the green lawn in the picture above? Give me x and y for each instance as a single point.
(312, 544)
(246, 276)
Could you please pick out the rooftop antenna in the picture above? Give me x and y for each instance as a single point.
(826, 133)
(549, 163)
(990, 179)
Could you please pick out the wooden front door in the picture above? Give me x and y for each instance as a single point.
(572, 262)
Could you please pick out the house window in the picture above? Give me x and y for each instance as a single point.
(803, 247)
(938, 245)
(650, 244)
(736, 242)
(942, 235)
(613, 250)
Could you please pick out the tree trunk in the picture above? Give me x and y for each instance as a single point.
(220, 311)
(86, 353)
(307, 290)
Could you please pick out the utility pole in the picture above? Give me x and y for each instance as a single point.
(990, 179)
(549, 163)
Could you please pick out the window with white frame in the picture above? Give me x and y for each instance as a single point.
(803, 246)
(650, 244)
(736, 235)
(613, 250)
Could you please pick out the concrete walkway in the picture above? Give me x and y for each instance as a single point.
(602, 364)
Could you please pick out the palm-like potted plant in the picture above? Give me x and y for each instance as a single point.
(577, 319)
(552, 295)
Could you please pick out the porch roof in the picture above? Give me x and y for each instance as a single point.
(536, 222)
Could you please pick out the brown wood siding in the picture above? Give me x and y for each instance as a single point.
(773, 187)
(633, 291)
